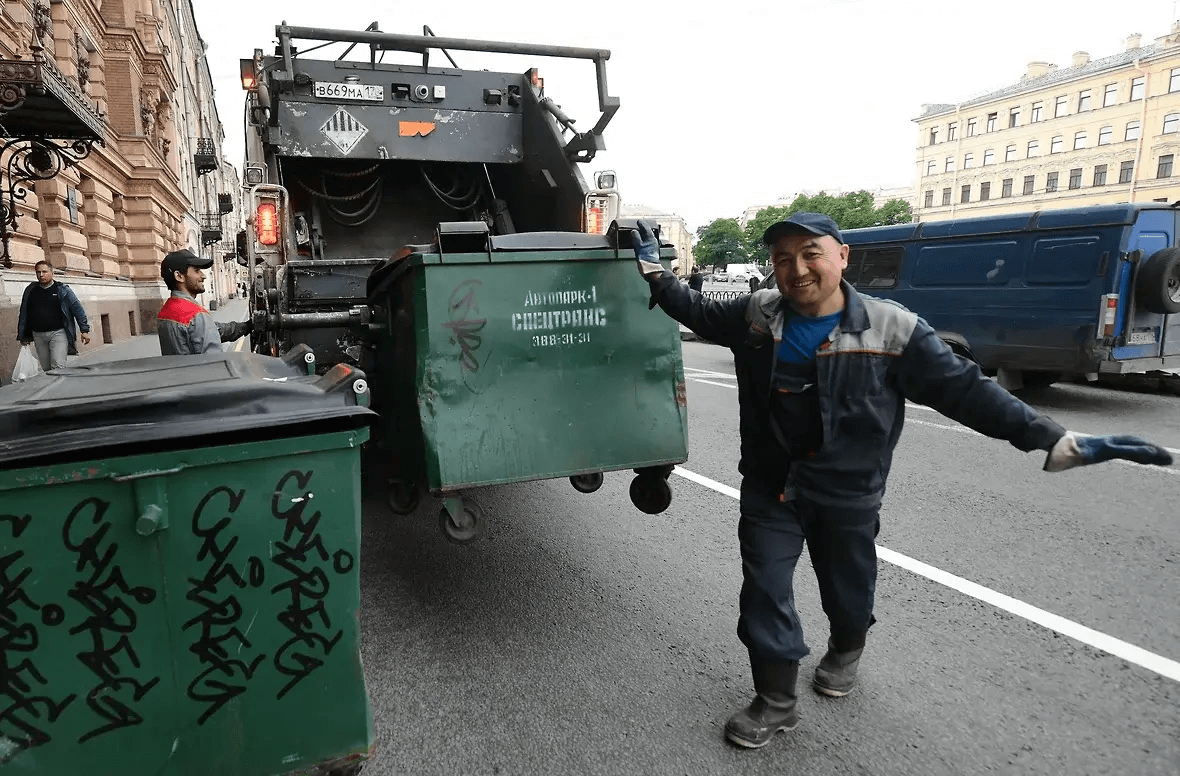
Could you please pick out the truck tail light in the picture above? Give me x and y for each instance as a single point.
(266, 223)
(1110, 311)
(595, 220)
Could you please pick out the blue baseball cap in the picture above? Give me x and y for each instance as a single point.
(813, 223)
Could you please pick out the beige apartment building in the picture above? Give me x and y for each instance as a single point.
(110, 157)
(1097, 132)
(673, 229)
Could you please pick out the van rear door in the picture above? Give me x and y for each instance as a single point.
(1141, 332)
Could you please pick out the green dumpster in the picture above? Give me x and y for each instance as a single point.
(526, 356)
(179, 569)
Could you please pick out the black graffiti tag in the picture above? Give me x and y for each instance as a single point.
(111, 621)
(26, 714)
(217, 624)
(300, 554)
(464, 328)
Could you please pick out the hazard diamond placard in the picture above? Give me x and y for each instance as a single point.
(344, 130)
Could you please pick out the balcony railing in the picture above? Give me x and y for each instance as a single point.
(205, 157)
(210, 228)
(225, 203)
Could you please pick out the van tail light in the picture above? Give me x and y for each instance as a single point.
(266, 223)
(1110, 311)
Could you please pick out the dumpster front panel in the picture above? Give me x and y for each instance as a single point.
(536, 365)
(188, 613)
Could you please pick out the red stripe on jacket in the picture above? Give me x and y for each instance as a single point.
(180, 310)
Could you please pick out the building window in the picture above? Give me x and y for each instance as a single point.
(1029, 183)
(1014, 118)
(968, 160)
(1084, 100)
(1056, 145)
(929, 198)
(1132, 131)
(931, 167)
(933, 135)
(1061, 108)
(1079, 140)
(965, 194)
(1171, 122)
(991, 122)
(1174, 81)
(1110, 95)
(1006, 188)
(985, 191)
(1034, 148)
(946, 196)
(1165, 168)
(1104, 135)
(989, 157)
(1125, 171)
(1075, 178)
(1051, 182)
(1100, 175)
(1137, 88)
(970, 127)
(1010, 153)
(1036, 112)
(952, 131)
(950, 164)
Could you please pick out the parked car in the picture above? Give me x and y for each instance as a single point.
(719, 277)
(742, 273)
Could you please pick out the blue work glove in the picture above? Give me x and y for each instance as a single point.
(1081, 450)
(647, 250)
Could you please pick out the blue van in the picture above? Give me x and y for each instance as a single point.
(1035, 297)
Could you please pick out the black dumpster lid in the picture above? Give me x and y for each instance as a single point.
(171, 402)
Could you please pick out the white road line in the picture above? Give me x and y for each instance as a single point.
(710, 382)
(1109, 644)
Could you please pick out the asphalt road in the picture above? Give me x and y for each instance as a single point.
(581, 636)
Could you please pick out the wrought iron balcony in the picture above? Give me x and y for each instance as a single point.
(225, 203)
(205, 158)
(210, 228)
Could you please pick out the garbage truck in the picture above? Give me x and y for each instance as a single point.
(431, 226)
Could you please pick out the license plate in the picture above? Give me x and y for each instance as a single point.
(1141, 338)
(337, 91)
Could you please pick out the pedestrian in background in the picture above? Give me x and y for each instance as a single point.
(183, 326)
(696, 280)
(823, 375)
(50, 316)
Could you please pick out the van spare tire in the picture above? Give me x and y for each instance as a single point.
(1157, 288)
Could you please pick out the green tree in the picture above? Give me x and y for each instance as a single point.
(719, 243)
(850, 211)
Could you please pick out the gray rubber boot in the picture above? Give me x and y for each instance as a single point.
(773, 708)
(836, 673)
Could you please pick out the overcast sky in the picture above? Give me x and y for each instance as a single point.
(740, 105)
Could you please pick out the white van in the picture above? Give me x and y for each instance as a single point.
(741, 273)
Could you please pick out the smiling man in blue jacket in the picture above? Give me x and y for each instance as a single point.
(823, 374)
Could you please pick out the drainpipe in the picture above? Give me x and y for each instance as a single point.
(960, 131)
(1142, 129)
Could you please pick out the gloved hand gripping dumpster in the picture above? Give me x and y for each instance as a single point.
(647, 250)
(823, 373)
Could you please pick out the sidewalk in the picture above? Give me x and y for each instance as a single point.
(147, 345)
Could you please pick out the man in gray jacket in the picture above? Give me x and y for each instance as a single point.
(185, 327)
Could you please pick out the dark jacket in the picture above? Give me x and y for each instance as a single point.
(71, 309)
(878, 356)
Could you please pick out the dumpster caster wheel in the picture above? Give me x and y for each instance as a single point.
(651, 494)
(461, 520)
(403, 496)
(587, 483)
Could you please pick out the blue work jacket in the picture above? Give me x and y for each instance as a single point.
(878, 356)
(71, 309)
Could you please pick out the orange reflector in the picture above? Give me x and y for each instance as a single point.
(595, 223)
(266, 223)
(536, 79)
(414, 128)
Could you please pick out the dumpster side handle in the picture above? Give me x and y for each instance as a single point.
(151, 499)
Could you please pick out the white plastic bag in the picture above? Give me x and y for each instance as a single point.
(27, 365)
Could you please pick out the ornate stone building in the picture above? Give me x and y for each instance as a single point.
(1095, 132)
(104, 106)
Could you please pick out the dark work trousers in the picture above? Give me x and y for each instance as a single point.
(842, 549)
